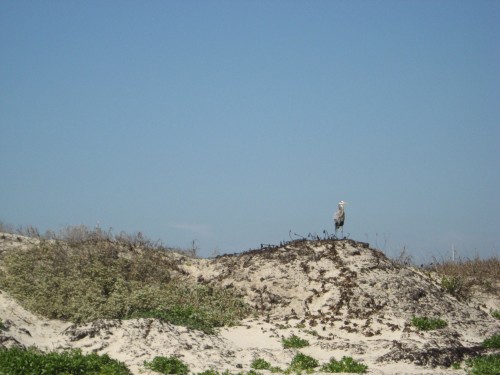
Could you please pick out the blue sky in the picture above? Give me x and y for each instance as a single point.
(233, 122)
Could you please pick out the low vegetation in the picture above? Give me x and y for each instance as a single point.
(262, 364)
(460, 278)
(302, 362)
(484, 365)
(427, 324)
(495, 314)
(456, 286)
(492, 343)
(16, 361)
(167, 365)
(294, 342)
(346, 364)
(89, 276)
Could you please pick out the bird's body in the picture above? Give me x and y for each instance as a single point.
(339, 217)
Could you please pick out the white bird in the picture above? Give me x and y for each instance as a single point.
(340, 217)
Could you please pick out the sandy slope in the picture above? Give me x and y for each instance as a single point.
(343, 297)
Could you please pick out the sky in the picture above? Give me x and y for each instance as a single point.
(235, 123)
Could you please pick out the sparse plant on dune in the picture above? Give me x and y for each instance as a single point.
(404, 258)
(484, 365)
(167, 365)
(495, 314)
(262, 364)
(294, 342)
(302, 362)
(457, 286)
(27, 231)
(428, 324)
(463, 275)
(346, 364)
(492, 343)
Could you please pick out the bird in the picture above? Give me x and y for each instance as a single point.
(340, 217)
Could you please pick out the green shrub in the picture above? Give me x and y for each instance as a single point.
(485, 365)
(294, 342)
(346, 364)
(492, 342)
(16, 361)
(167, 365)
(457, 286)
(428, 324)
(495, 314)
(302, 362)
(260, 364)
(2, 326)
(89, 280)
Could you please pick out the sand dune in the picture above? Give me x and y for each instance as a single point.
(345, 298)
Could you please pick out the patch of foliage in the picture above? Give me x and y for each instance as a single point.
(456, 366)
(428, 324)
(485, 365)
(492, 342)
(495, 314)
(457, 286)
(346, 364)
(99, 278)
(262, 364)
(2, 325)
(167, 365)
(294, 342)
(16, 361)
(302, 362)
